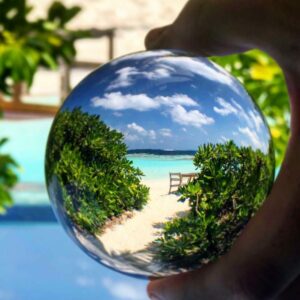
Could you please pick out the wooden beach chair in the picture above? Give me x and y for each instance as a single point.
(179, 179)
(175, 181)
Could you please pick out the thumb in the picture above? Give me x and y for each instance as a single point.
(159, 38)
(179, 287)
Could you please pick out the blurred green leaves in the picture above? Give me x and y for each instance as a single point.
(26, 45)
(265, 82)
(8, 177)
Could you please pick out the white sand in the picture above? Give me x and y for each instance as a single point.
(145, 226)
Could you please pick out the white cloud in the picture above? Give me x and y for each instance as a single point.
(209, 70)
(252, 118)
(136, 127)
(139, 130)
(225, 108)
(141, 55)
(166, 132)
(158, 73)
(257, 119)
(136, 132)
(252, 136)
(166, 65)
(118, 101)
(140, 102)
(190, 118)
(242, 113)
(176, 99)
(124, 78)
(123, 290)
(127, 75)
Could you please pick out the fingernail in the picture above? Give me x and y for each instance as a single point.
(154, 297)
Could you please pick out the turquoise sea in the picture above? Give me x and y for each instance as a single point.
(159, 166)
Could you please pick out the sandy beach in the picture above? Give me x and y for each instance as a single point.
(136, 233)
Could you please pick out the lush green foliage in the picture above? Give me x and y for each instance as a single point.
(25, 45)
(231, 184)
(8, 178)
(89, 161)
(265, 82)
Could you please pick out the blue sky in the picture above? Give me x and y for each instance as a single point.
(163, 100)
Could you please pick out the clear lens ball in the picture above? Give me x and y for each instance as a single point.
(156, 161)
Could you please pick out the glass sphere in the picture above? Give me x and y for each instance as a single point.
(156, 161)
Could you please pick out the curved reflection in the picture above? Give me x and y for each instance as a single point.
(156, 161)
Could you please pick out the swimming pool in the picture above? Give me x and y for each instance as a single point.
(37, 259)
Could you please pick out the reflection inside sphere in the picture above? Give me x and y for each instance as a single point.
(156, 161)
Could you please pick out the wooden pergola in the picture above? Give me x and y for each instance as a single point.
(17, 105)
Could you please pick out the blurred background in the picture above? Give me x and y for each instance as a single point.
(46, 48)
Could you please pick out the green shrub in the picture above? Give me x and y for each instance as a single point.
(89, 160)
(231, 184)
(26, 45)
(8, 178)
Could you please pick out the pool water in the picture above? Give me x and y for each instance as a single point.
(38, 260)
(27, 144)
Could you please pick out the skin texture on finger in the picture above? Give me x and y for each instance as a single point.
(203, 27)
(198, 284)
(160, 38)
(221, 27)
(206, 283)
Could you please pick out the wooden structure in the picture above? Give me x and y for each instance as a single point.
(16, 105)
(179, 179)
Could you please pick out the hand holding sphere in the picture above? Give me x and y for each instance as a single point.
(134, 130)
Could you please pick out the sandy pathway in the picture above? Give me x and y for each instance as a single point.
(145, 226)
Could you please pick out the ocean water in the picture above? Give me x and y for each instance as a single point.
(159, 166)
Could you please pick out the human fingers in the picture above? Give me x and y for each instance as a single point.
(206, 283)
(176, 287)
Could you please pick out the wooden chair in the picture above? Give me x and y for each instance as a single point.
(179, 179)
(175, 181)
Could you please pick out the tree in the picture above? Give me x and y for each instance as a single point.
(89, 161)
(26, 45)
(230, 186)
